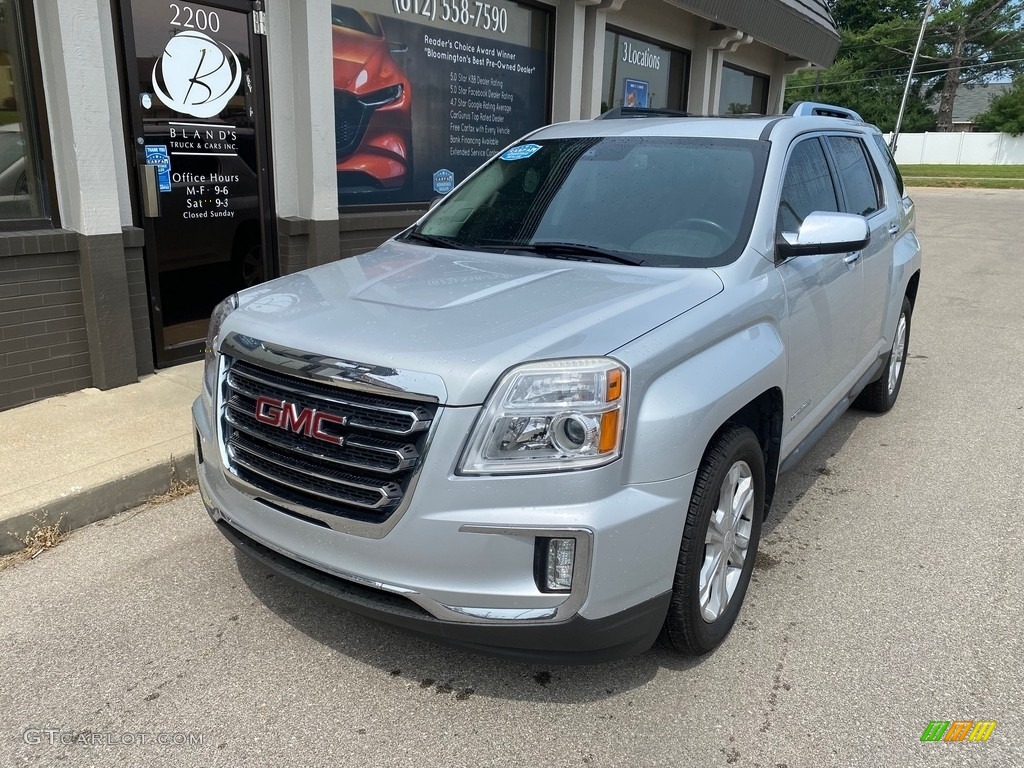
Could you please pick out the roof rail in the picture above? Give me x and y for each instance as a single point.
(809, 108)
(621, 112)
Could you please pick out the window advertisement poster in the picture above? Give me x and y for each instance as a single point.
(426, 90)
(639, 73)
(635, 93)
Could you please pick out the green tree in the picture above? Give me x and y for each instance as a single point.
(978, 40)
(967, 41)
(861, 15)
(870, 69)
(1006, 112)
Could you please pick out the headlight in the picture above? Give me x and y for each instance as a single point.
(550, 416)
(381, 97)
(220, 312)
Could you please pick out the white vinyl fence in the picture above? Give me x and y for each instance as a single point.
(960, 149)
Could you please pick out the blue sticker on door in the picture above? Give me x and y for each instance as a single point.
(161, 158)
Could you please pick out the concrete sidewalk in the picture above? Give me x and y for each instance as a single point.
(85, 456)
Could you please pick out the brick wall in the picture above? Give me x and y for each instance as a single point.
(357, 233)
(362, 232)
(292, 244)
(43, 346)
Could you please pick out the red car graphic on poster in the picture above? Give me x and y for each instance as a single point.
(372, 106)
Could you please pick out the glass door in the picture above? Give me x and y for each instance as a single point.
(196, 92)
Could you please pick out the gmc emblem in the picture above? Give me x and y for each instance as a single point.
(303, 421)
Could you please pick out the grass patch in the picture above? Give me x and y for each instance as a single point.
(924, 181)
(46, 535)
(977, 176)
(965, 171)
(177, 489)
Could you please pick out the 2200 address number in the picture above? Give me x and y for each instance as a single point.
(462, 12)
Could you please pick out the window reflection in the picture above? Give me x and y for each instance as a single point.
(743, 92)
(21, 183)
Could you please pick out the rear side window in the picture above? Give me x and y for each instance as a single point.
(890, 162)
(808, 186)
(856, 174)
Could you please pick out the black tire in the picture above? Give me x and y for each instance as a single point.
(880, 396)
(688, 629)
(247, 263)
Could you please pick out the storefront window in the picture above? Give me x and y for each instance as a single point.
(640, 73)
(23, 187)
(425, 91)
(743, 92)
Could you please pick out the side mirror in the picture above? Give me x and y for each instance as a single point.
(825, 232)
(435, 201)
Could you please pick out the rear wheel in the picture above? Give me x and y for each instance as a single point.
(719, 545)
(880, 396)
(247, 262)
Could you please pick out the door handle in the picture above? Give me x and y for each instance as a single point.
(894, 228)
(150, 191)
(852, 258)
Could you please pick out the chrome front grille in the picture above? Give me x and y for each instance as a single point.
(361, 464)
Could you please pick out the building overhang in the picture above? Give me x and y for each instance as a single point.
(803, 29)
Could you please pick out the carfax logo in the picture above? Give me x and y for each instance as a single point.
(958, 730)
(444, 181)
(158, 155)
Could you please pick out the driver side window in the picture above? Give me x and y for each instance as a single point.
(808, 186)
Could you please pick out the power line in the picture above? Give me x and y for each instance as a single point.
(936, 35)
(930, 37)
(933, 35)
(996, 63)
(827, 83)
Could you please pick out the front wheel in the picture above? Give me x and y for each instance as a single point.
(719, 545)
(880, 395)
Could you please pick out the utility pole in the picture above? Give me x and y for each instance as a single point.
(910, 76)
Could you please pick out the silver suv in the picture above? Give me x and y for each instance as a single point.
(548, 419)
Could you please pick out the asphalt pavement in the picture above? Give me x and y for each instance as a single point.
(888, 594)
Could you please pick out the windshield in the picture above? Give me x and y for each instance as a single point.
(669, 202)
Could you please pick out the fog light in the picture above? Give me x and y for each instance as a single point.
(561, 555)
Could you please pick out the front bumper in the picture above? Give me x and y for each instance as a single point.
(458, 565)
(576, 641)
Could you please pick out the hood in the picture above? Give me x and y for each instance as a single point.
(356, 52)
(462, 315)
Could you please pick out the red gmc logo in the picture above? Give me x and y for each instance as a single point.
(304, 421)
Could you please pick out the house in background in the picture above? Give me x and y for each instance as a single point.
(973, 100)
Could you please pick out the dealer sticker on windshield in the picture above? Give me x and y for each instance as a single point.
(520, 152)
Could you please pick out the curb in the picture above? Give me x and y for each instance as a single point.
(100, 501)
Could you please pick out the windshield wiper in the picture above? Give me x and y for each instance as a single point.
(435, 240)
(580, 251)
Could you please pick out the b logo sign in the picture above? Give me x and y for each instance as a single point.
(196, 75)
